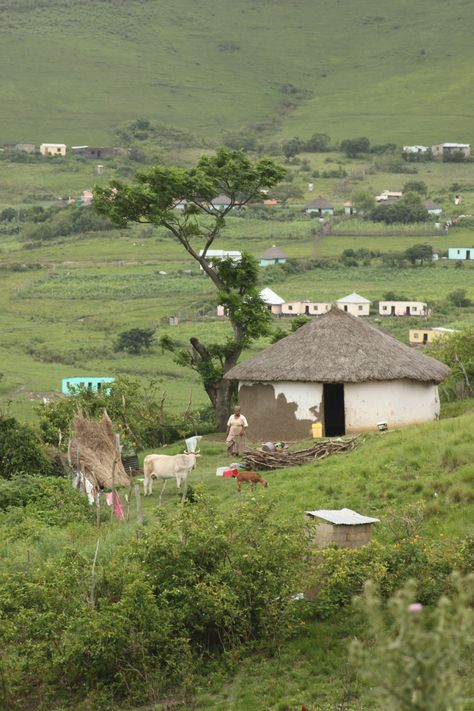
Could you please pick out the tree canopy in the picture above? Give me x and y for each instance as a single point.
(152, 199)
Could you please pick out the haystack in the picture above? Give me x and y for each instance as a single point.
(97, 451)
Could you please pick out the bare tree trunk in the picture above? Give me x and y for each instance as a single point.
(222, 403)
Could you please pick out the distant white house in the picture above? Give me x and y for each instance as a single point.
(272, 255)
(403, 308)
(464, 253)
(215, 254)
(416, 149)
(354, 304)
(53, 149)
(319, 206)
(433, 208)
(272, 300)
(444, 149)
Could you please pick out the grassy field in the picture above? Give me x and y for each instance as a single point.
(355, 69)
(61, 317)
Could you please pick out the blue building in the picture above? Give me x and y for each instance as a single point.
(461, 253)
(95, 385)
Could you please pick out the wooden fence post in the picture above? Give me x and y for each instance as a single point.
(139, 505)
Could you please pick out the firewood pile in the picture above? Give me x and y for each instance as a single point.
(260, 459)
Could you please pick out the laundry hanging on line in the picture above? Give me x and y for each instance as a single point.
(118, 508)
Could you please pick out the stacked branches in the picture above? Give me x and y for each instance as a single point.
(260, 459)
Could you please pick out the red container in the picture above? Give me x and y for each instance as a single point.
(230, 473)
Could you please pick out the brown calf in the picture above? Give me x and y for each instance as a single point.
(250, 478)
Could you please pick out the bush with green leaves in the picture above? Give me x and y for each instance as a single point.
(196, 587)
(21, 451)
(135, 408)
(135, 341)
(338, 574)
(457, 351)
(416, 658)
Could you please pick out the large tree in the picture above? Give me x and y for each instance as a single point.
(152, 199)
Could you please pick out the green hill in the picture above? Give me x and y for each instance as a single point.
(394, 71)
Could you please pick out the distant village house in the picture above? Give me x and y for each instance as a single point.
(440, 150)
(421, 336)
(463, 253)
(271, 256)
(319, 206)
(403, 308)
(433, 208)
(354, 304)
(417, 150)
(53, 149)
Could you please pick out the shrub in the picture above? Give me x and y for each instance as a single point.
(135, 340)
(21, 451)
(193, 587)
(416, 658)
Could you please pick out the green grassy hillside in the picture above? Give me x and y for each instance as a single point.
(395, 71)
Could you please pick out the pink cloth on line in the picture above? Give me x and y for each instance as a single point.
(118, 508)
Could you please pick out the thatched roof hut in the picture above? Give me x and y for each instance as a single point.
(337, 367)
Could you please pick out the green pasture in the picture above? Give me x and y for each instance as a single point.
(61, 317)
(391, 71)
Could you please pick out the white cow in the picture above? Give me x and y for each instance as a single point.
(163, 466)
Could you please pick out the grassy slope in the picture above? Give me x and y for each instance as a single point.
(429, 466)
(391, 70)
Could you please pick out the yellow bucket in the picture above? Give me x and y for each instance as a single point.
(317, 429)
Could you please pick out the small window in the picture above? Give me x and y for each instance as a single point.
(361, 308)
(290, 308)
(384, 308)
(416, 335)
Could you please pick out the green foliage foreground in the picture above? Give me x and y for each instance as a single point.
(193, 587)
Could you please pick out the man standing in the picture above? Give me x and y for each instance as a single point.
(236, 428)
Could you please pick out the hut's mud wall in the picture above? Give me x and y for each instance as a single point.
(280, 410)
(399, 403)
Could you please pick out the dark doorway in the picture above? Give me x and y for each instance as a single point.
(333, 403)
(468, 253)
(407, 310)
(425, 338)
(306, 310)
(393, 311)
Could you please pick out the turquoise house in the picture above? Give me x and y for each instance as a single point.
(272, 255)
(84, 382)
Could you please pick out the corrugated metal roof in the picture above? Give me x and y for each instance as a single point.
(345, 517)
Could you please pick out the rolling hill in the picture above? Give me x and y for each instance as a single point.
(394, 71)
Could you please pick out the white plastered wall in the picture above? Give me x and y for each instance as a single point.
(397, 402)
(304, 395)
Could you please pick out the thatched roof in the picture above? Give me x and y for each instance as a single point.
(319, 203)
(339, 348)
(273, 252)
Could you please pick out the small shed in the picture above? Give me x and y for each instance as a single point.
(344, 528)
(422, 336)
(319, 206)
(354, 304)
(272, 255)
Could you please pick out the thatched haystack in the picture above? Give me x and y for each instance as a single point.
(97, 451)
